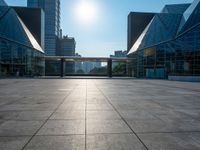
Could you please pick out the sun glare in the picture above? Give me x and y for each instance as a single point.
(86, 12)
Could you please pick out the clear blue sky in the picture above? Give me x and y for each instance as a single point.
(109, 32)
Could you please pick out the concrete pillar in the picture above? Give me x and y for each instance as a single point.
(109, 68)
(62, 67)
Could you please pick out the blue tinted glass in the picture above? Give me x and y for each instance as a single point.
(18, 32)
(3, 10)
(161, 29)
(177, 8)
(193, 19)
(190, 16)
(2, 3)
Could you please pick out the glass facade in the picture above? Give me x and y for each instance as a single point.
(178, 55)
(20, 54)
(175, 8)
(187, 16)
(20, 60)
(158, 30)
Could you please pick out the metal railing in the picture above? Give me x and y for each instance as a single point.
(118, 64)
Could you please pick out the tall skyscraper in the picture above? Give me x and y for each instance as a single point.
(52, 22)
(119, 53)
(67, 47)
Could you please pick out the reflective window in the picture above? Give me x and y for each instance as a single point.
(19, 60)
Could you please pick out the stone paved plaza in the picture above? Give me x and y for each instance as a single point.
(99, 114)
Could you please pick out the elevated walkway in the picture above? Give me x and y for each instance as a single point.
(64, 59)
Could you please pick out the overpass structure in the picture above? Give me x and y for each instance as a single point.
(64, 59)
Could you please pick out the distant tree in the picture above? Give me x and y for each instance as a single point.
(101, 70)
(80, 71)
(120, 68)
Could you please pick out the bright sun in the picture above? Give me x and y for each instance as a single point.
(86, 12)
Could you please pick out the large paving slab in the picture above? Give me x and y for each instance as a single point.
(72, 142)
(99, 114)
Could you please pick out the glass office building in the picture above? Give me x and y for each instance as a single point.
(52, 22)
(20, 53)
(170, 44)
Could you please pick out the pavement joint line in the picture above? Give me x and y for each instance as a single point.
(122, 118)
(65, 98)
(118, 96)
(89, 134)
(86, 117)
(173, 132)
(21, 120)
(26, 111)
(110, 133)
(122, 133)
(68, 119)
(93, 134)
(60, 135)
(15, 136)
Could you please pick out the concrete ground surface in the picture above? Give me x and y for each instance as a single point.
(99, 114)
